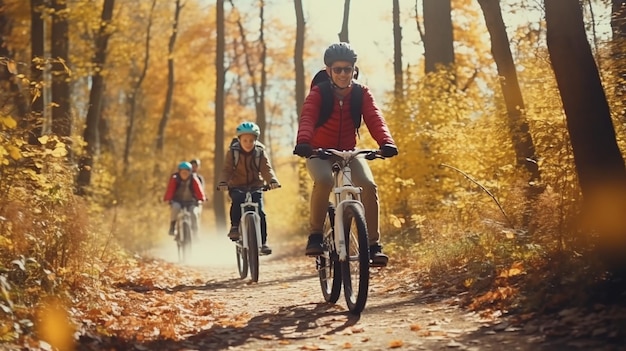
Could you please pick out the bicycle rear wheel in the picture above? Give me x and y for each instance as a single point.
(242, 259)
(328, 267)
(355, 270)
(253, 249)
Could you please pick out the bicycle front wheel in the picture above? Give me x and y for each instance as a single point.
(253, 248)
(328, 267)
(355, 270)
(186, 242)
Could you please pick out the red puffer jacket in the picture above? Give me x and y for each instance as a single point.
(174, 182)
(339, 132)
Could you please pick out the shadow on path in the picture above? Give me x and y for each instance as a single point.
(289, 323)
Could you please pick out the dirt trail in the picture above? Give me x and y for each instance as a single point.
(285, 311)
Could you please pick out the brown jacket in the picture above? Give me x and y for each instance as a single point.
(245, 173)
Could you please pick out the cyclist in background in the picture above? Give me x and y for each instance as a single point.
(195, 165)
(184, 189)
(246, 166)
(339, 132)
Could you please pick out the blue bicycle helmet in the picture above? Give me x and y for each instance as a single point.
(248, 128)
(184, 165)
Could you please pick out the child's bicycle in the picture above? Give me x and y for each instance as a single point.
(346, 248)
(183, 232)
(248, 247)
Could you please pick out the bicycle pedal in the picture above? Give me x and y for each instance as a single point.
(377, 264)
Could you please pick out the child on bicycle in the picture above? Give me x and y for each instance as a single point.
(184, 189)
(339, 132)
(246, 166)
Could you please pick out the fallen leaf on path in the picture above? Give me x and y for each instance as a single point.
(415, 327)
(394, 344)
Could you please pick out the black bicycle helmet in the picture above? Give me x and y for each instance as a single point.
(339, 52)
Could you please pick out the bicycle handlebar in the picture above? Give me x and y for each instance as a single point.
(244, 189)
(324, 153)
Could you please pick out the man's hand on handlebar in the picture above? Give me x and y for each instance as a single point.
(303, 150)
(388, 150)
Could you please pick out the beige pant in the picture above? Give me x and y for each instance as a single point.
(322, 175)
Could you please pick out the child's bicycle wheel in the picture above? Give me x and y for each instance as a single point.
(355, 270)
(328, 267)
(253, 248)
(184, 242)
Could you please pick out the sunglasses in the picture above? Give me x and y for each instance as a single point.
(338, 70)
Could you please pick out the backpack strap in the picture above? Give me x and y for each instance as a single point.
(258, 151)
(326, 108)
(235, 148)
(356, 104)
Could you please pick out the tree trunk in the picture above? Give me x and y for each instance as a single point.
(618, 51)
(35, 122)
(397, 51)
(261, 117)
(61, 110)
(298, 59)
(599, 164)
(258, 89)
(132, 99)
(298, 56)
(343, 35)
(90, 134)
(105, 140)
(438, 39)
(169, 95)
(220, 82)
(8, 82)
(618, 18)
(518, 125)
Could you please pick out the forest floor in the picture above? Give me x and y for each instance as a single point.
(153, 303)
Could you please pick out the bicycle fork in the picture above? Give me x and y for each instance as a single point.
(243, 225)
(344, 195)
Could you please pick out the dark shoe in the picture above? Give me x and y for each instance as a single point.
(233, 234)
(314, 245)
(172, 228)
(377, 257)
(265, 250)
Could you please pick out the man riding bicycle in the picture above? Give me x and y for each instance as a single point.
(184, 189)
(339, 132)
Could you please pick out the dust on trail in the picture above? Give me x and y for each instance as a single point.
(209, 250)
(285, 310)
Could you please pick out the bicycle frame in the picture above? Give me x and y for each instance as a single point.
(184, 216)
